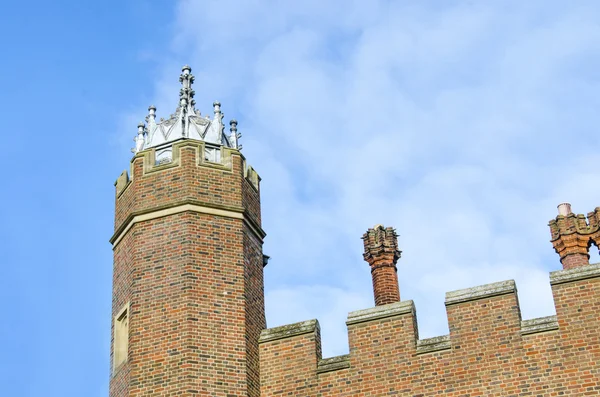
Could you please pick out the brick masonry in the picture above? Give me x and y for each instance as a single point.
(381, 253)
(193, 281)
(188, 262)
(490, 350)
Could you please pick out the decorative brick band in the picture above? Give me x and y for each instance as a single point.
(333, 363)
(480, 292)
(537, 325)
(288, 331)
(574, 274)
(435, 344)
(379, 312)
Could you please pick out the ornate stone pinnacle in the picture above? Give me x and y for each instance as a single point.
(186, 79)
(234, 136)
(139, 139)
(151, 112)
(186, 121)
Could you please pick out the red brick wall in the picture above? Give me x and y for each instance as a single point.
(194, 285)
(488, 353)
(122, 283)
(194, 281)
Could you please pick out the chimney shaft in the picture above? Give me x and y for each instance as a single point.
(381, 252)
(572, 236)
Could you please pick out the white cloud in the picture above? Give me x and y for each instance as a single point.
(461, 125)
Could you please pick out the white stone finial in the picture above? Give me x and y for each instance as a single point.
(234, 136)
(139, 139)
(564, 209)
(186, 79)
(151, 114)
(217, 107)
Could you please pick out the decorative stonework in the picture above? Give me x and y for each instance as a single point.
(185, 123)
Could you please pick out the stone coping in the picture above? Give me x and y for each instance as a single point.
(333, 363)
(538, 325)
(288, 331)
(435, 344)
(578, 273)
(480, 292)
(379, 312)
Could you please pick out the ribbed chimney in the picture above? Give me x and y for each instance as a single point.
(381, 252)
(572, 235)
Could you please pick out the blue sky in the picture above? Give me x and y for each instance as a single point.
(462, 124)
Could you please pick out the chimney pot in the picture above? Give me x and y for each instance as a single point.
(564, 209)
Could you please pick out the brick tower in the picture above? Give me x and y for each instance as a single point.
(188, 302)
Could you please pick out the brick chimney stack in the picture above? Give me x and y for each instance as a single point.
(381, 252)
(572, 235)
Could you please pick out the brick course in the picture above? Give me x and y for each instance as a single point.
(193, 281)
(489, 352)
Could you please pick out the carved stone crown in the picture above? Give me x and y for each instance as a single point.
(381, 246)
(185, 123)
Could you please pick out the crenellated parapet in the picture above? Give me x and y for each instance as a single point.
(573, 234)
(189, 181)
(490, 350)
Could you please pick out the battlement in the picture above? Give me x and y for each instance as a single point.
(222, 161)
(490, 349)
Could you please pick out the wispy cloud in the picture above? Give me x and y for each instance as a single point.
(461, 125)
